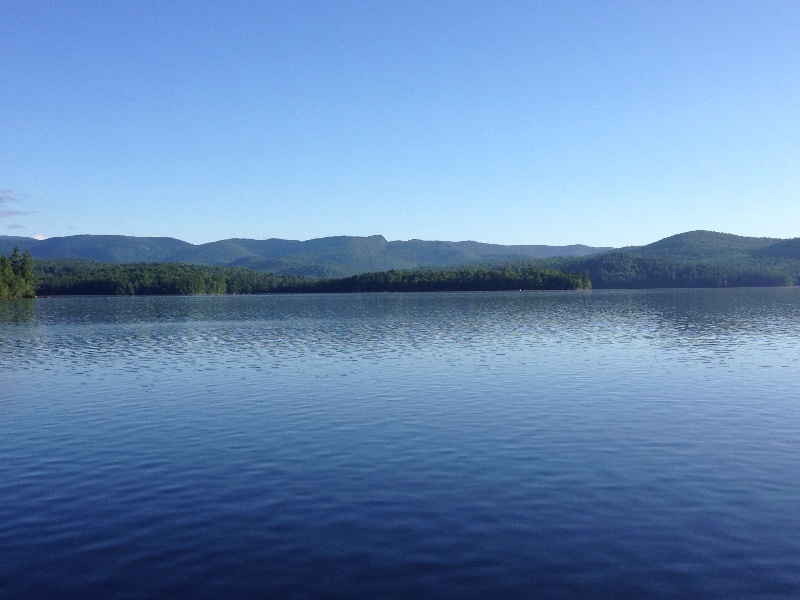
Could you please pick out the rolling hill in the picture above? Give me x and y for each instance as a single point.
(704, 245)
(105, 248)
(338, 256)
(692, 259)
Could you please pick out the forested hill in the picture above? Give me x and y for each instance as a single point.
(706, 245)
(105, 248)
(693, 259)
(339, 256)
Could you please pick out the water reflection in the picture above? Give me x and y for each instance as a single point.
(710, 323)
(465, 445)
(16, 312)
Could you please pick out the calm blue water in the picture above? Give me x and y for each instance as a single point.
(537, 444)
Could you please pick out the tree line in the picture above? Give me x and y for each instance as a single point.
(497, 278)
(78, 277)
(611, 270)
(17, 275)
(65, 277)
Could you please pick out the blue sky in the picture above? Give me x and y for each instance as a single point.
(604, 123)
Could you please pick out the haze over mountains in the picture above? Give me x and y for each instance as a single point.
(338, 256)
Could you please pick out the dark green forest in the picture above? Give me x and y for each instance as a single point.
(64, 277)
(692, 259)
(79, 277)
(490, 278)
(17, 277)
(612, 270)
(629, 270)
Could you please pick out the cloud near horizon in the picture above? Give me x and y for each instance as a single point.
(39, 237)
(16, 226)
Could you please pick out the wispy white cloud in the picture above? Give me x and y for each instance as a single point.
(39, 237)
(16, 226)
(6, 197)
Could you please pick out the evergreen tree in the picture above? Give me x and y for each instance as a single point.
(17, 279)
(27, 268)
(6, 274)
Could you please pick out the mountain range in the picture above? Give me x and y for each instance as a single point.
(338, 256)
(695, 258)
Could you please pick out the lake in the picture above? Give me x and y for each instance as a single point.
(605, 444)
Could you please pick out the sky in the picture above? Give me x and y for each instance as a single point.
(603, 123)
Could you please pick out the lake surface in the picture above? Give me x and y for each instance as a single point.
(611, 444)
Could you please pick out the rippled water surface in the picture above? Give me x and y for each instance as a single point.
(536, 444)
